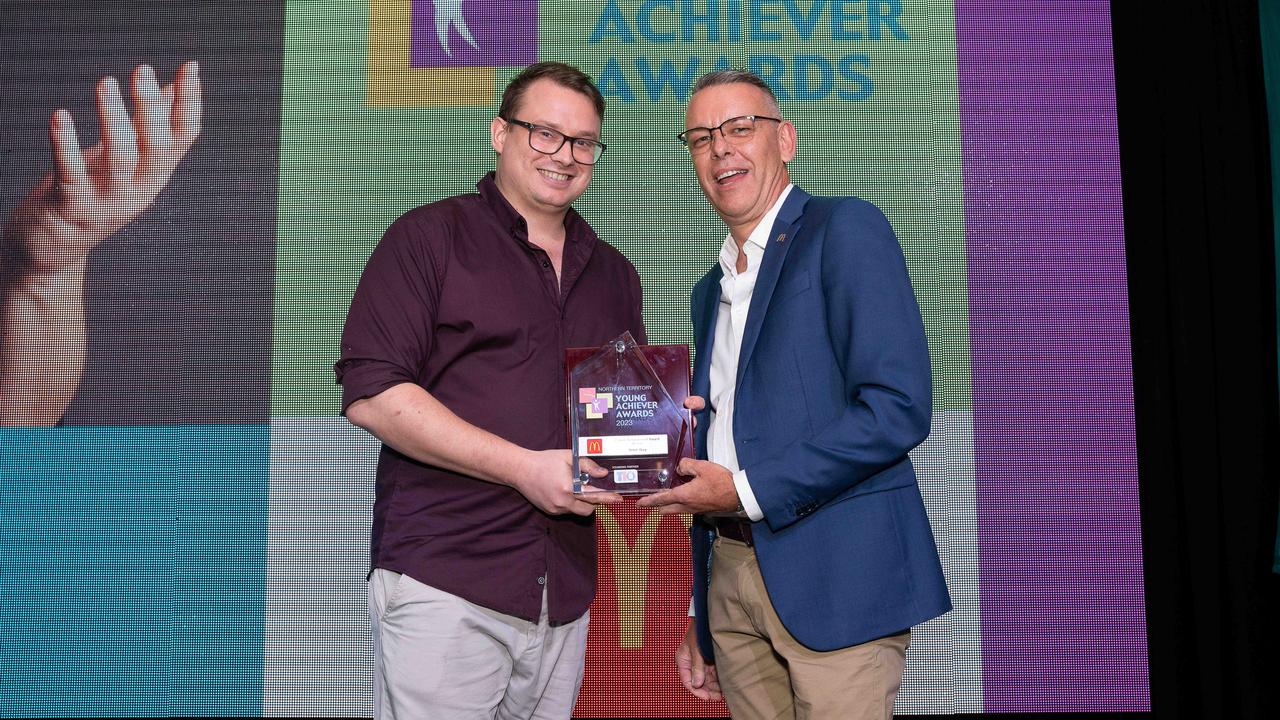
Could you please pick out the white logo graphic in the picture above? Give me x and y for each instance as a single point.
(449, 14)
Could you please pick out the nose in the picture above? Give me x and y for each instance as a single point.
(564, 155)
(720, 146)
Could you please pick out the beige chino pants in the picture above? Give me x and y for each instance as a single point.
(766, 674)
(439, 656)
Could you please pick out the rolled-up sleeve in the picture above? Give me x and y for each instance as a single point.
(387, 335)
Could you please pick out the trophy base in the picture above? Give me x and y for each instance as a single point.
(625, 481)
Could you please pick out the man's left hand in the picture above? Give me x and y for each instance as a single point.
(595, 495)
(710, 490)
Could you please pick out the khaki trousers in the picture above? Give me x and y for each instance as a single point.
(766, 674)
(439, 656)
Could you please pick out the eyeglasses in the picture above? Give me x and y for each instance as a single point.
(735, 129)
(548, 141)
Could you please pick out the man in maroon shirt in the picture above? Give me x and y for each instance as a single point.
(483, 560)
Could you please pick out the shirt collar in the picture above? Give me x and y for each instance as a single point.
(756, 242)
(507, 215)
(577, 231)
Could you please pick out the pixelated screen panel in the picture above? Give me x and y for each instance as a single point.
(210, 513)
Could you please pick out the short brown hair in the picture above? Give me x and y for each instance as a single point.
(557, 72)
(728, 77)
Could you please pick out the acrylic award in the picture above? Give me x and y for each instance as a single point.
(627, 415)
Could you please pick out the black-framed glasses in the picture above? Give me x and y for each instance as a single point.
(735, 129)
(548, 141)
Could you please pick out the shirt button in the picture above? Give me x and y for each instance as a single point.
(542, 579)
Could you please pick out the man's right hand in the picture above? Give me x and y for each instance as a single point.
(91, 195)
(407, 418)
(697, 676)
(46, 242)
(547, 482)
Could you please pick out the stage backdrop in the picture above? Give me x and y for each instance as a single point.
(193, 539)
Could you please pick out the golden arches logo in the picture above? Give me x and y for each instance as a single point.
(631, 571)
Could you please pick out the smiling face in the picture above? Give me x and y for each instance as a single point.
(535, 183)
(741, 178)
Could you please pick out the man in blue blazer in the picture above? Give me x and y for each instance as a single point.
(812, 553)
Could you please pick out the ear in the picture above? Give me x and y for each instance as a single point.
(498, 134)
(787, 141)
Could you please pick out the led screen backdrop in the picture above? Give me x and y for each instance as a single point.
(193, 538)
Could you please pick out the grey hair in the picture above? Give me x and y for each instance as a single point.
(728, 77)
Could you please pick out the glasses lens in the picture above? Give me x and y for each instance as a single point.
(739, 127)
(587, 152)
(545, 140)
(697, 139)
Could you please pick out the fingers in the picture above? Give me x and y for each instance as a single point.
(667, 502)
(691, 467)
(655, 500)
(591, 467)
(151, 122)
(704, 692)
(697, 673)
(672, 502)
(166, 94)
(68, 162)
(684, 663)
(695, 403)
(119, 144)
(697, 677)
(188, 107)
(703, 681)
(596, 496)
(712, 683)
(686, 675)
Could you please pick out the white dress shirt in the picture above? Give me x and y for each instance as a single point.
(735, 299)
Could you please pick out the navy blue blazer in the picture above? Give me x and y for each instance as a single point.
(833, 390)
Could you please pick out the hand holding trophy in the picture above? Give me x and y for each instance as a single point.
(627, 415)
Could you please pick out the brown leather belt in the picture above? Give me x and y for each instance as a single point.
(734, 529)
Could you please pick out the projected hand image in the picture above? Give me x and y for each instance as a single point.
(88, 196)
(449, 15)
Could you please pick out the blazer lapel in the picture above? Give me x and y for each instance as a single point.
(706, 304)
(781, 238)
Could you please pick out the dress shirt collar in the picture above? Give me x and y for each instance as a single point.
(576, 230)
(758, 239)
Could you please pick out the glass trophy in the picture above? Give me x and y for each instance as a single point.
(627, 415)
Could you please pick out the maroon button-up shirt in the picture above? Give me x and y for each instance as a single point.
(456, 299)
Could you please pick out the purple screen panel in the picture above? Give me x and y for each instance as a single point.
(1063, 619)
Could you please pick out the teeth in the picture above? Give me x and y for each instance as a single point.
(554, 175)
(729, 173)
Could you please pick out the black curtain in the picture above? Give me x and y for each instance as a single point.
(1198, 228)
